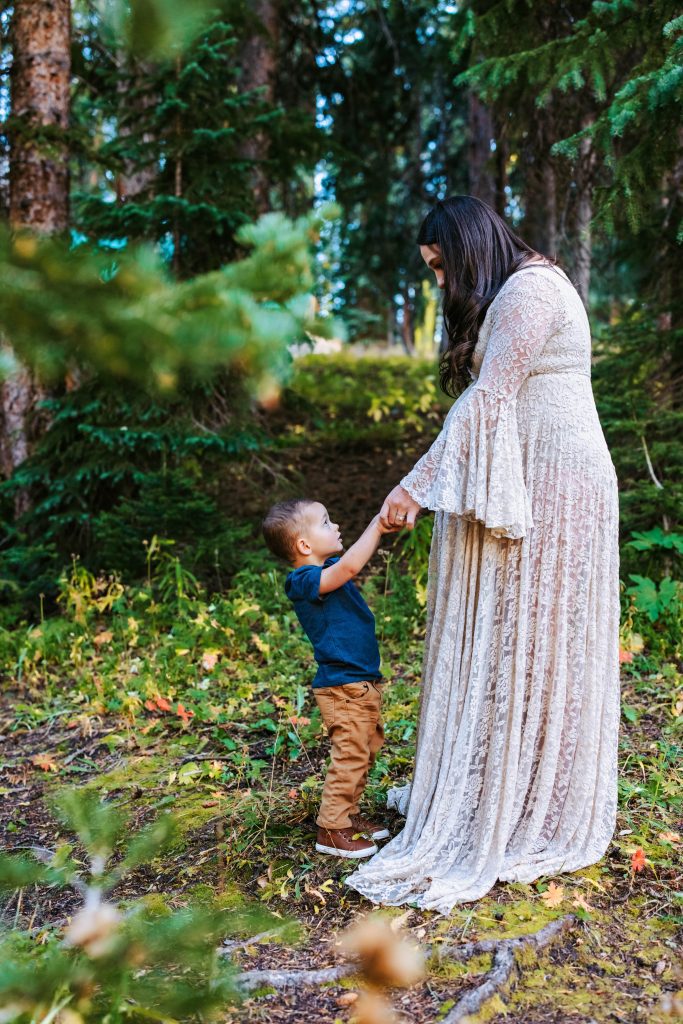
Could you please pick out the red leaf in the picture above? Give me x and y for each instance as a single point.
(163, 704)
(638, 860)
(183, 713)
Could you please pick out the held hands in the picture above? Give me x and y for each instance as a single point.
(399, 510)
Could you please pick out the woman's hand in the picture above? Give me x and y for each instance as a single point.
(399, 509)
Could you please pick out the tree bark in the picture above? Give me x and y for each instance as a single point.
(39, 82)
(407, 324)
(584, 212)
(259, 67)
(38, 179)
(481, 178)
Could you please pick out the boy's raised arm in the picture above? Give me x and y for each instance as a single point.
(353, 560)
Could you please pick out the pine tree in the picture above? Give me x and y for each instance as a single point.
(395, 127)
(196, 126)
(600, 86)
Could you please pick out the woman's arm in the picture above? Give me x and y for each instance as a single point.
(474, 467)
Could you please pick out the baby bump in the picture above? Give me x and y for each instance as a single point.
(563, 445)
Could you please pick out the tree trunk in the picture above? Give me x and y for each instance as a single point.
(501, 164)
(138, 176)
(39, 176)
(407, 324)
(481, 179)
(40, 79)
(259, 67)
(584, 213)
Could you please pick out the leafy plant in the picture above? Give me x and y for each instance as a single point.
(138, 961)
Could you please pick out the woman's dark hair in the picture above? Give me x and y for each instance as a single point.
(478, 253)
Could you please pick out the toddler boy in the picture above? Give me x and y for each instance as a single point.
(347, 685)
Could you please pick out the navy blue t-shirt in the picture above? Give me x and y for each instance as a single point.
(339, 624)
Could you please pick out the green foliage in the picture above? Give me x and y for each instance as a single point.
(340, 392)
(123, 317)
(386, 81)
(614, 66)
(155, 27)
(114, 963)
(173, 136)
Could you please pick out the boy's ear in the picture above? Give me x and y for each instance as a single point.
(302, 546)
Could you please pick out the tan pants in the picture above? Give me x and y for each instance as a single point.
(352, 714)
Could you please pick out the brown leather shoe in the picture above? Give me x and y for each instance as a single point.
(344, 842)
(370, 828)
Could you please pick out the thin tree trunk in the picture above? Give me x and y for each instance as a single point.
(39, 177)
(550, 207)
(501, 179)
(138, 176)
(407, 327)
(584, 215)
(259, 66)
(481, 179)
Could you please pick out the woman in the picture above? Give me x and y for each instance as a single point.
(516, 766)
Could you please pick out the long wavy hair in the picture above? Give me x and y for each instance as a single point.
(478, 253)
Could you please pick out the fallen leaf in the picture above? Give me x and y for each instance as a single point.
(105, 637)
(553, 896)
(184, 713)
(293, 794)
(581, 903)
(346, 998)
(46, 762)
(625, 656)
(163, 704)
(638, 860)
(669, 837)
(209, 659)
(397, 923)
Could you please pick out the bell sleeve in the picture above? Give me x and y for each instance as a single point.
(474, 467)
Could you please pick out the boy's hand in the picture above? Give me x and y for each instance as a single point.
(386, 527)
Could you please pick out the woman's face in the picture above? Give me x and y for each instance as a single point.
(431, 254)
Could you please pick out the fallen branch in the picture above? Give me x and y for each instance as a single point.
(250, 980)
(504, 968)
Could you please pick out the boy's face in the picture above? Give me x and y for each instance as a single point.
(319, 536)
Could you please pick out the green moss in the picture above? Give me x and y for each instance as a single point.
(493, 1007)
(442, 967)
(132, 773)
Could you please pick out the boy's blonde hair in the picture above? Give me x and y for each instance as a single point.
(282, 526)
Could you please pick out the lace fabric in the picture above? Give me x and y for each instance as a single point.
(516, 765)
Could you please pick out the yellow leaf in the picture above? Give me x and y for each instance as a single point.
(46, 762)
(553, 896)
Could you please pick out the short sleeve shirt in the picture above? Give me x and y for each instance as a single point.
(339, 624)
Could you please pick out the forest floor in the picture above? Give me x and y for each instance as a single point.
(198, 707)
(615, 962)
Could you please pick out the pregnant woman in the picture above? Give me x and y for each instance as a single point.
(516, 765)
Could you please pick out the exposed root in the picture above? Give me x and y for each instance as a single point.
(503, 971)
(504, 968)
(250, 980)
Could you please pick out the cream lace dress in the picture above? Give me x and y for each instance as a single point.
(516, 767)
